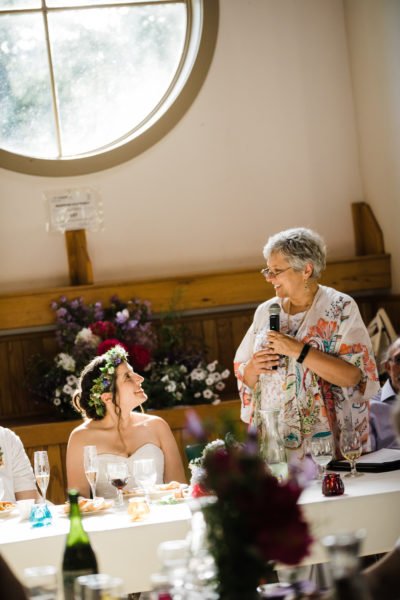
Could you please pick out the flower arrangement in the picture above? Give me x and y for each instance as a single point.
(254, 521)
(173, 374)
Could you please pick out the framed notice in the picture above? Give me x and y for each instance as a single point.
(76, 208)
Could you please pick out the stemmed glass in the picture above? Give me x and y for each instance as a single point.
(118, 475)
(145, 474)
(322, 450)
(351, 448)
(42, 471)
(91, 465)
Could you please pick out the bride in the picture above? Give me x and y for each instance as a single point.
(107, 393)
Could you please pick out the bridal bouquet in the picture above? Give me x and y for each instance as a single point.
(174, 374)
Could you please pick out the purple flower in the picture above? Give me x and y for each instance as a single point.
(61, 312)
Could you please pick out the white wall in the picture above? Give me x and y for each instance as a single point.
(269, 143)
(374, 34)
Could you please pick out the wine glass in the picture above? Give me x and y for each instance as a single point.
(351, 448)
(91, 465)
(145, 474)
(322, 450)
(42, 471)
(118, 475)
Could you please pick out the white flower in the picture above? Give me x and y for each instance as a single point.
(56, 401)
(198, 374)
(197, 395)
(216, 401)
(66, 361)
(171, 387)
(86, 336)
(209, 381)
(165, 378)
(183, 369)
(67, 389)
(122, 315)
(72, 380)
(207, 394)
(219, 386)
(216, 376)
(178, 395)
(225, 374)
(212, 366)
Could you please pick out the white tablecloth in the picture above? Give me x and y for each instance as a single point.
(370, 502)
(129, 550)
(123, 548)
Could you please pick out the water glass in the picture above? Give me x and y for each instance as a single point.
(145, 474)
(351, 448)
(322, 450)
(99, 586)
(41, 582)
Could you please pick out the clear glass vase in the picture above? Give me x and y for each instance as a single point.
(271, 446)
(343, 550)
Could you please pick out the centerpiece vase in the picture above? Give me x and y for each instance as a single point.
(271, 446)
(239, 568)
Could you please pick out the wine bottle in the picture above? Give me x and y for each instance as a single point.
(79, 558)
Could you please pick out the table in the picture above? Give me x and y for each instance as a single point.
(129, 550)
(123, 548)
(370, 502)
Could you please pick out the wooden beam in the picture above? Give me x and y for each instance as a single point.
(367, 232)
(80, 267)
(228, 289)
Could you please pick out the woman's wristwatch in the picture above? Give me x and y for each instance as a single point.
(304, 351)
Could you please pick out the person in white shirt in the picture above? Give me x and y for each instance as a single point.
(16, 471)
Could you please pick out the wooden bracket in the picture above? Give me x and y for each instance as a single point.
(367, 232)
(80, 267)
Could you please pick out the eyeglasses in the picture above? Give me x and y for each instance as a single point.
(395, 359)
(268, 273)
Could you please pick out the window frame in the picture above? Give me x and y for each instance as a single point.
(63, 167)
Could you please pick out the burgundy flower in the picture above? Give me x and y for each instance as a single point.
(106, 345)
(104, 329)
(140, 356)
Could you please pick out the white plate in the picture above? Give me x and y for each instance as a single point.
(7, 511)
(88, 513)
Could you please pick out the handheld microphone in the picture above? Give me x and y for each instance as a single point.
(274, 320)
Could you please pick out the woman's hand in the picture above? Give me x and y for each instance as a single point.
(284, 344)
(261, 363)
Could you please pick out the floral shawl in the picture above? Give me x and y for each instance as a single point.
(333, 324)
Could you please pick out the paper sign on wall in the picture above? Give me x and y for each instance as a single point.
(75, 208)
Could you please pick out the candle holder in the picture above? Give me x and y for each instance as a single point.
(332, 485)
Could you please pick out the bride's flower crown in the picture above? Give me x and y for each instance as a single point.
(114, 357)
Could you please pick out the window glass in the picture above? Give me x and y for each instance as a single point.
(80, 78)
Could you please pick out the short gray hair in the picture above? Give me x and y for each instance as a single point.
(300, 246)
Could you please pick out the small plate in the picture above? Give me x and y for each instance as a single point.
(89, 508)
(6, 508)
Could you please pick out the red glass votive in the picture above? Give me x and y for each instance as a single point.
(332, 485)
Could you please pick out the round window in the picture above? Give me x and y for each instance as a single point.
(84, 83)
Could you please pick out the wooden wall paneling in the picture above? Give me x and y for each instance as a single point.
(32, 308)
(367, 232)
(5, 396)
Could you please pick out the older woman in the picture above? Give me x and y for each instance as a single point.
(318, 370)
(109, 390)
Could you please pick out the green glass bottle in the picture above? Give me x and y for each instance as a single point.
(79, 558)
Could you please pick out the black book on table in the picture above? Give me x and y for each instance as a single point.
(386, 459)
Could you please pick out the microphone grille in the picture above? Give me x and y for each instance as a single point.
(274, 309)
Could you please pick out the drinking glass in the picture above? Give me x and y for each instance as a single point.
(145, 474)
(91, 465)
(322, 450)
(41, 582)
(351, 448)
(118, 475)
(42, 471)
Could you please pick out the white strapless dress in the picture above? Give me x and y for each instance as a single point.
(106, 490)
